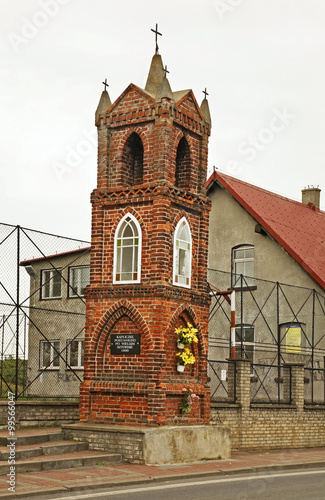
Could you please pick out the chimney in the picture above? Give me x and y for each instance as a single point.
(311, 195)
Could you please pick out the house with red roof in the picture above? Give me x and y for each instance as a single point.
(293, 229)
(271, 250)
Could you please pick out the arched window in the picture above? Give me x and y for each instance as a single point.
(132, 159)
(243, 266)
(183, 165)
(127, 251)
(182, 254)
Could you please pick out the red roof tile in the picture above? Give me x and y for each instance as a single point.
(299, 228)
(50, 257)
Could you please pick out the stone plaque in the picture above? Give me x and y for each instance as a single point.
(125, 343)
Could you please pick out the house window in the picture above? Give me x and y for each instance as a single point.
(182, 254)
(245, 342)
(78, 280)
(50, 284)
(49, 357)
(243, 265)
(127, 254)
(75, 353)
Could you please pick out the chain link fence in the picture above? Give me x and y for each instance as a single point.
(222, 376)
(276, 323)
(42, 313)
(42, 319)
(315, 386)
(271, 384)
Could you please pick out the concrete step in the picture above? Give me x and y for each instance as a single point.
(34, 450)
(66, 461)
(47, 448)
(31, 436)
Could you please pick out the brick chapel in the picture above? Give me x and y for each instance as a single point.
(149, 246)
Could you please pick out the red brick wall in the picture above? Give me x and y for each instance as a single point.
(146, 389)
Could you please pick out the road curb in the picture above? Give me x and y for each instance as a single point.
(139, 481)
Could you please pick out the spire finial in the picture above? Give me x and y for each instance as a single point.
(205, 93)
(157, 33)
(105, 84)
(166, 71)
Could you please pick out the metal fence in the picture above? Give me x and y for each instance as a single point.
(42, 313)
(222, 376)
(271, 384)
(42, 318)
(276, 323)
(314, 386)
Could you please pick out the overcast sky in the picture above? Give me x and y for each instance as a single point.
(262, 62)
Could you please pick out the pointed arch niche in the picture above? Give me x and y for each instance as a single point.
(132, 160)
(181, 317)
(127, 251)
(121, 319)
(182, 254)
(183, 165)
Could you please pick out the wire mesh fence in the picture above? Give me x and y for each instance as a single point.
(222, 376)
(42, 313)
(42, 319)
(271, 384)
(314, 386)
(276, 323)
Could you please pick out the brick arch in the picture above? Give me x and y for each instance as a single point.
(177, 218)
(129, 210)
(184, 314)
(124, 137)
(178, 136)
(131, 168)
(183, 157)
(104, 328)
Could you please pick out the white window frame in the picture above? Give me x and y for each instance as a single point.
(54, 357)
(78, 283)
(178, 243)
(50, 281)
(81, 351)
(235, 277)
(117, 272)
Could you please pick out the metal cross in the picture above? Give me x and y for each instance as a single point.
(205, 92)
(166, 71)
(105, 84)
(156, 33)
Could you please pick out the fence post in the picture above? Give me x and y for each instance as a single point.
(17, 311)
(243, 383)
(232, 392)
(297, 385)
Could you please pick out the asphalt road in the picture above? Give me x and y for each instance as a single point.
(289, 485)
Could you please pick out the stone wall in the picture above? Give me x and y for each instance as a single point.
(41, 413)
(269, 426)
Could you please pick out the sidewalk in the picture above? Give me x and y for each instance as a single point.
(54, 481)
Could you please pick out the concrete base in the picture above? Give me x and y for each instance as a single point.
(155, 445)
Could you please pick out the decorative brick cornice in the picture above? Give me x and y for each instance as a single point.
(123, 387)
(131, 291)
(147, 192)
(198, 128)
(154, 112)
